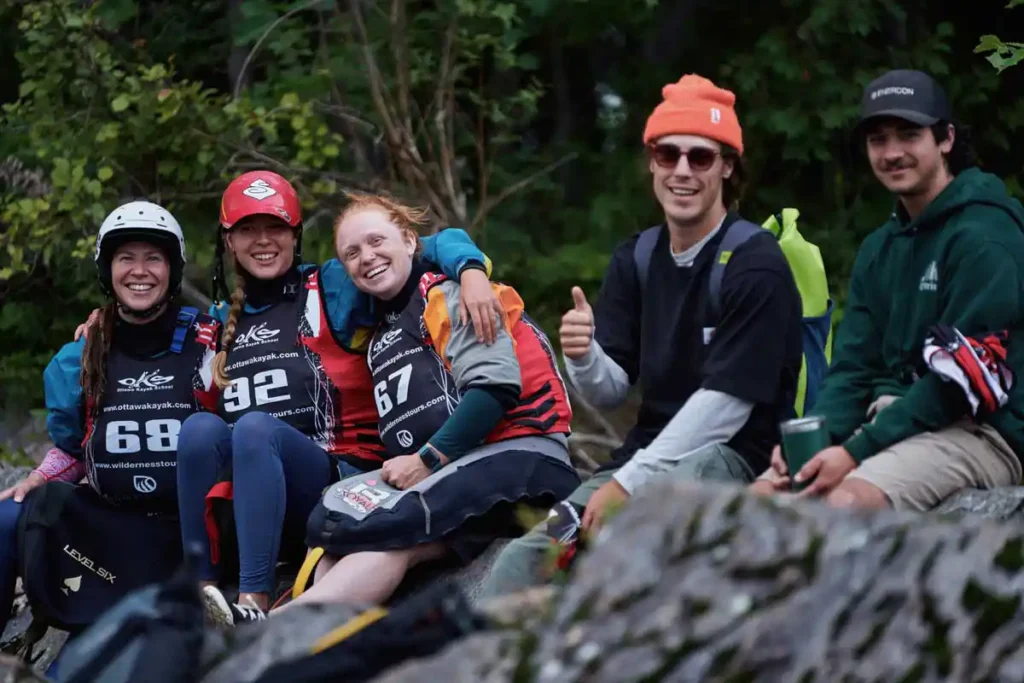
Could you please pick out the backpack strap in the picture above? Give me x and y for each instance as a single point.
(186, 316)
(735, 236)
(643, 252)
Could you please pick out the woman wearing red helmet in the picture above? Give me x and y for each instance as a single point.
(297, 407)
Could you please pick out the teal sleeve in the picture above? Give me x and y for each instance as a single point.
(478, 413)
(64, 420)
(219, 311)
(347, 308)
(856, 362)
(982, 292)
(453, 250)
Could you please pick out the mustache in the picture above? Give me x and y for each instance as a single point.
(898, 165)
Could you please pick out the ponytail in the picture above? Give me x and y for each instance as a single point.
(220, 361)
(93, 377)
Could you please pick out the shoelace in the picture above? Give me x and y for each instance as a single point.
(251, 612)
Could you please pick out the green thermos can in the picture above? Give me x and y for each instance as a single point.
(802, 439)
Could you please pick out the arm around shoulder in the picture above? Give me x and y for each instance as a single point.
(61, 382)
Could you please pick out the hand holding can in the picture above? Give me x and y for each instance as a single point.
(802, 439)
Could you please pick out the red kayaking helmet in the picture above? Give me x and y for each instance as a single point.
(259, 192)
(250, 194)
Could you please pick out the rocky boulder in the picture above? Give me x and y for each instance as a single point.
(702, 583)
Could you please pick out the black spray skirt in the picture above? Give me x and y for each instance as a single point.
(466, 504)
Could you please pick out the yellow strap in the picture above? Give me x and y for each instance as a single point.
(305, 574)
(349, 628)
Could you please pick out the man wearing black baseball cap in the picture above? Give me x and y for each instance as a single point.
(909, 95)
(951, 253)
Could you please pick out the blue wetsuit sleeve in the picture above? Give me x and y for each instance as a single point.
(219, 311)
(64, 420)
(453, 250)
(347, 308)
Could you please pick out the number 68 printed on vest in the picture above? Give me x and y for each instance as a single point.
(123, 436)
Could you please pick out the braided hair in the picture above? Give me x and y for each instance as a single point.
(93, 377)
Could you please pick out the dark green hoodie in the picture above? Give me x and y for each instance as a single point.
(961, 262)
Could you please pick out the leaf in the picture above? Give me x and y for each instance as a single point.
(61, 174)
(105, 173)
(114, 13)
(987, 43)
(120, 103)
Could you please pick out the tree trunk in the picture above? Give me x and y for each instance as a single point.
(238, 52)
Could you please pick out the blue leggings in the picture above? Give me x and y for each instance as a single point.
(279, 475)
(9, 513)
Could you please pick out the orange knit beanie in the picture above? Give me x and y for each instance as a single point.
(696, 106)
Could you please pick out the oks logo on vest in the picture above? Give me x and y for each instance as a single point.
(382, 344)
(147, 381)
(260, 334)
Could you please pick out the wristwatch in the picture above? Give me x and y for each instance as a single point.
(431, 457)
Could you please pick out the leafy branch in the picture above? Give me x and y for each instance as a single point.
(1002, 55)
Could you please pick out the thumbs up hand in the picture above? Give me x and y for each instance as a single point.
(577, 329)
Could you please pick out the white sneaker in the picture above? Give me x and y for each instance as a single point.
(220, 611)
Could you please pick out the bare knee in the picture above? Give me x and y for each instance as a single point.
(857, 493)
(422, 553)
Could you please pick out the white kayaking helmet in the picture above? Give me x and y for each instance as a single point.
(140, 222)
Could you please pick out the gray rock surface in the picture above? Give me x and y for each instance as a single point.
(481, 658)
(243, 654)
(1006, 503)
(701, 583)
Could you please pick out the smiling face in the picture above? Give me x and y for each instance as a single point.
(263, 245)
(906, 158)
(688, 191)
(140, 275)
(376, 253)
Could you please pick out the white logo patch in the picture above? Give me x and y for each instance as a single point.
(930, 279)
(389, 338)
(147, 381)
(259, 190)
(73, 584)
(716, 115)
(257, 335)
(144, 484)
(404, 437)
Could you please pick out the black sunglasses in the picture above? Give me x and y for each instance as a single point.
(698, 158)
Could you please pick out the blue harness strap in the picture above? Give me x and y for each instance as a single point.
(186, 316)
(735, 236)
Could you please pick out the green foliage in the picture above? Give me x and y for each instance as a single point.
(1003, 55)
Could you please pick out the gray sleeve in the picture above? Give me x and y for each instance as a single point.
(708, 417)
(598, 378)
(473, 363)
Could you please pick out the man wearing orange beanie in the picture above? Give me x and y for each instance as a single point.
(716, 350)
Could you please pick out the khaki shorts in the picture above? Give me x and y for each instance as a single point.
(920, 472)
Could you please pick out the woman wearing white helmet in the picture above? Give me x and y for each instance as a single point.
(116, 400)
